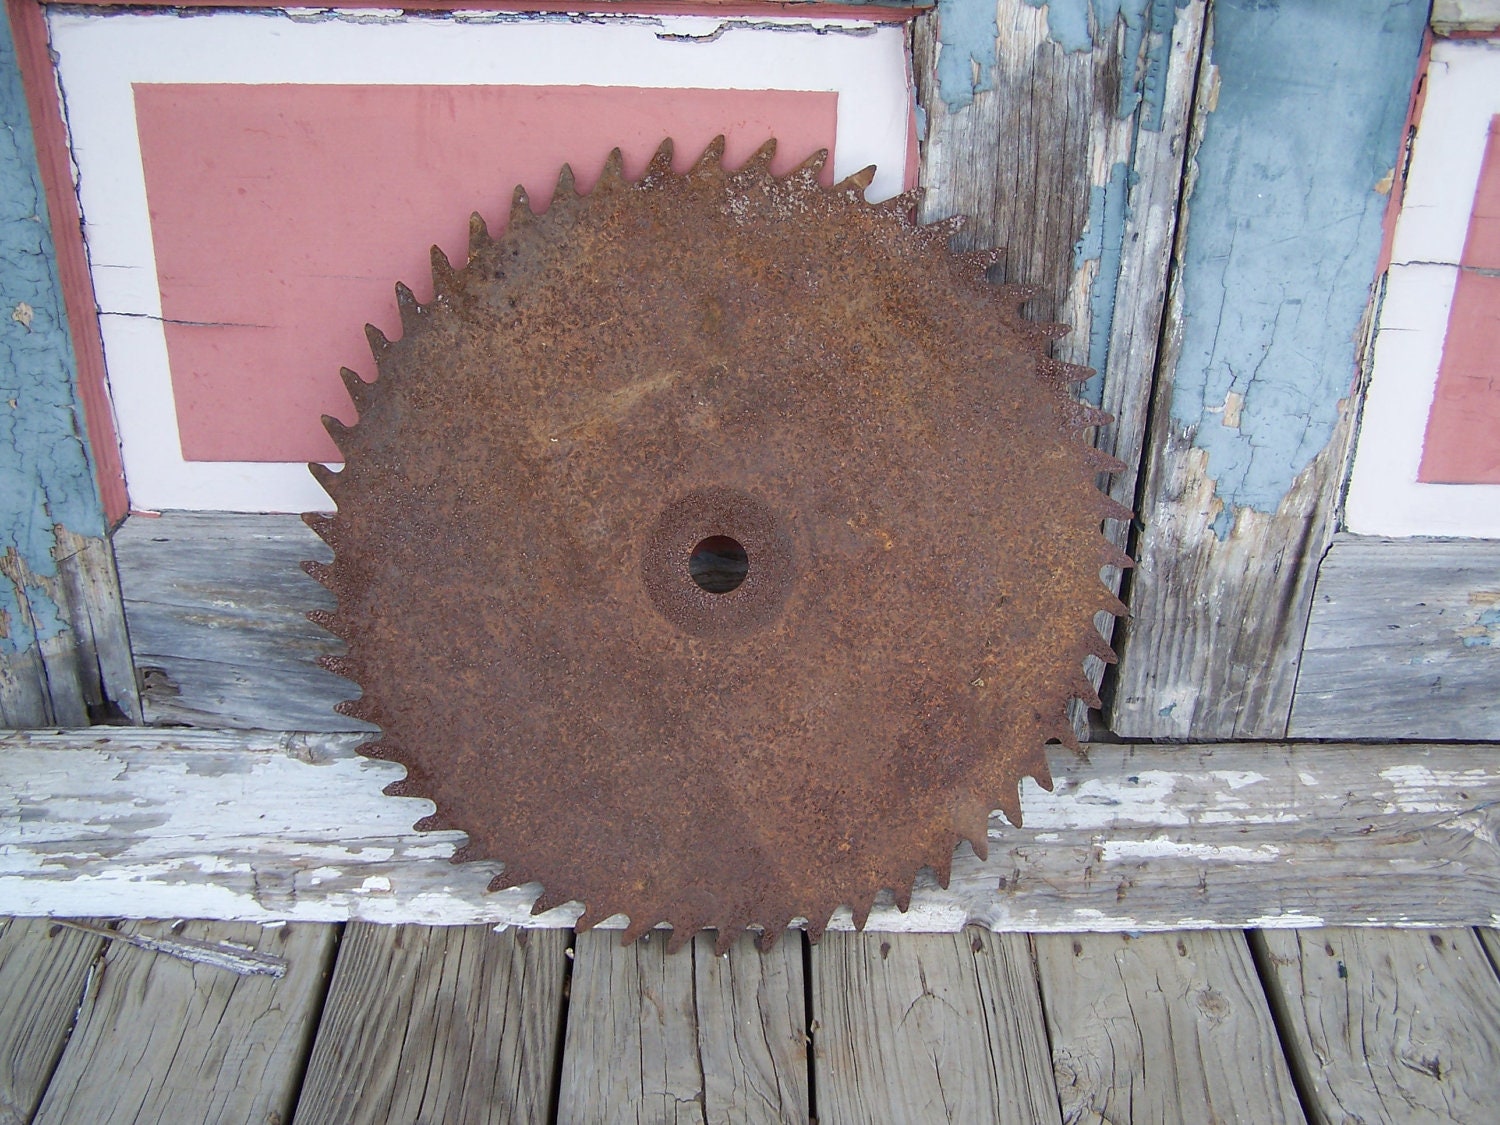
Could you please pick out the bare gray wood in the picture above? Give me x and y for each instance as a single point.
(1026, 163)
(217, 608)
(80, 671)
(655, 1037)
(1403, 642)
(452, 1024)
(1388, 1025)
(1162, 1028)
(1134, 837)
(43, 971)
(162, 1039)
(929, 1027)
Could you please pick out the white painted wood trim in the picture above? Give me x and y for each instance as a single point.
(1385, 497)
(101, 55)
(256, 826)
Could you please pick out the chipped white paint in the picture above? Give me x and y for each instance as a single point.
(1306, 778)
(262, 827)
(1116, 851)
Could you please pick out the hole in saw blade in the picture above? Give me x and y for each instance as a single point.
(718, 564)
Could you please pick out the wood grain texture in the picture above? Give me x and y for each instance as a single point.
(1267, 330)
(1450, 16)
(1403, 642)
(452, 1024)
(43, 971)
(688, 1037)
(216, 605)
(1162, 1028)
(1388, 1025)
(1040, 163)
(929, 1027)
(1135, 837)
(161, 1039)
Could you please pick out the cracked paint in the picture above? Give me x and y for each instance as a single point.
(45, 476)
(1103, 241)
(1285, 231)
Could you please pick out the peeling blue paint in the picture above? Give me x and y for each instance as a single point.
(1486, 633)
(966, 58)
(45, 476)
(1103, 241)
(1285, 230)
(1076, 25)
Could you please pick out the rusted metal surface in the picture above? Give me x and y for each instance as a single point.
(720, 356)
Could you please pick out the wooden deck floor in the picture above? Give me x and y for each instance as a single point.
(464, 1024)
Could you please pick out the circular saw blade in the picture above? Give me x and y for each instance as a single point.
(716, 549)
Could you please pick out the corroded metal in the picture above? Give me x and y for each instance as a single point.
(733, 357)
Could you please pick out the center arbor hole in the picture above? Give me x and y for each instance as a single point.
(718, 564)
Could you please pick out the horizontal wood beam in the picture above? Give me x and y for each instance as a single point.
(258, 826)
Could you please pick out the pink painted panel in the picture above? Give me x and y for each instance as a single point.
(283, 215)
(1462, 445)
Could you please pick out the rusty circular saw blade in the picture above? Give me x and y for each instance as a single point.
(733, 357)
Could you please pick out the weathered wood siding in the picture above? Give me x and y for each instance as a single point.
(1403, 642)
(1135, 837)
(1300, 118)
(64, 659)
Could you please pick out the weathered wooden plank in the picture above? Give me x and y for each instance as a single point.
(1403, 642)
(1300, 117)
(1450, 16)
(43, 971)
(929, 1027)
(1063, 143)
(1162, 1028)
(216, 605)
(691, 1037)
(1387, 1025)
(452, 1023)
(1135, 837)
(163, 1039)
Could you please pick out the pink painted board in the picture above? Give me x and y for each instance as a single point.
(282, 216)
(1462, 445)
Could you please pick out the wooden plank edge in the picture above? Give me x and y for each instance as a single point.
(260, 826)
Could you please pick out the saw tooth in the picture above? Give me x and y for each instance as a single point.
(860, 906)
(857, 182)
(711, 161)
(380, 347)
(410, 308)
(769, 935)
(521, 214)
(807, 173)
(903, 206)
(902, 893)
(1083, 689)
(479, 234)
(549, 900)
(760, 160)
(592, 915)
(326, 477)
(815, 930)
(1111, 555)
(340, 433)
(1010, 804)
(319, 572)
(1097, 646)
(323, 526)
(436, 822)
(359, 390)
(444, 280)
(338, 665)
(613, 176)
(940, 230)
(682, 933)
(635, 928)
(1016, 296)
(328, 621)
(1104, 462)
(1111, 604)
(1112, 509)
(566, 187)
(1075, 373)
(660, 165)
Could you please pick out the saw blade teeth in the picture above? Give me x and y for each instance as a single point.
(1009, 803)
(941, 230)
(660, 165)
(640, 923)
(860, 907)
(769, 935)
(1112, 509)
(1102, 461)
(592, 915)
(1018, 295)
(612, 178)
(338, 665)
(410, 308)
(479, 234)
(319, 572)
(816, 927)
(711, 161)
(1111, 555)
(521, 213)
(1109, 603)
(760, 160)
(806, 174)
(549, 899)
(682, 933)
(566, 187)
(1083, 689)
(380, 347)
(1097, 646)
(856, 183)
(358, 389)
(902, 894)
(942, 870)
(326, 477)
(340, 433)
(444, 279)
(321, 525)
(903, 206)
(360, 709)
(327, 621)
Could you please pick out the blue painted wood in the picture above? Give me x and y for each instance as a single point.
(1286, 230)
(50, 510)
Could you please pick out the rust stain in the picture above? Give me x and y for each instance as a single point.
(720, 357)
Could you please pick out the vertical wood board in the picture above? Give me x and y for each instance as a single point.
(43, 971)
(688, 1037)
(1162, 1028)
(929, 1027)
(442, 1024)
(1388, 1025)
(162, 1039)
(1299, 122)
